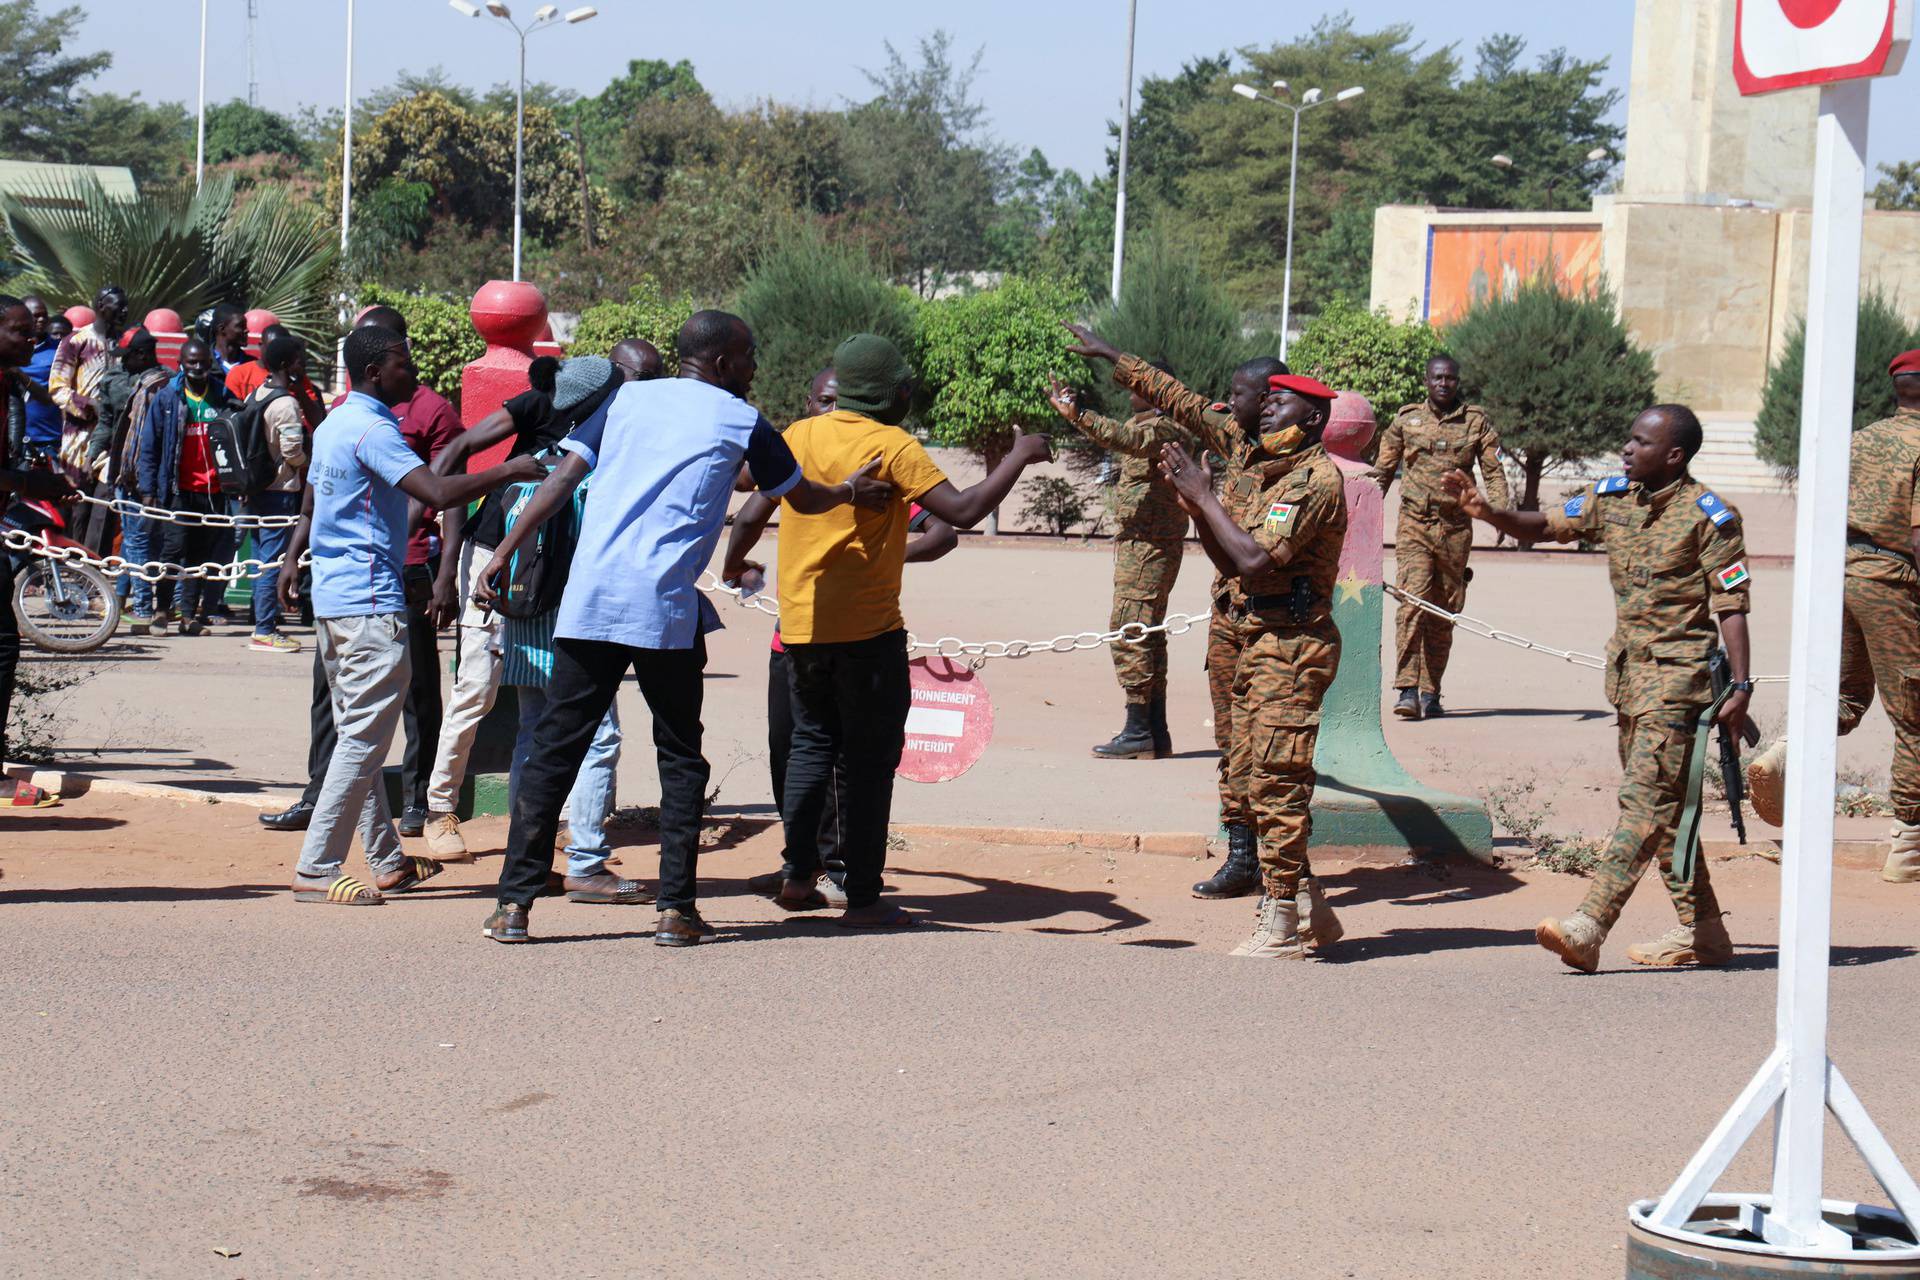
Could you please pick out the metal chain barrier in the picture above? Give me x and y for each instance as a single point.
(148, 571)
(1474, 626)
(211, 520)
(1177, 624)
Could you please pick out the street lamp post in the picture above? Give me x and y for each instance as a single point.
(200, 125)
(547, 15)
(1120, 187)
(1308, 101)
(1506, 164)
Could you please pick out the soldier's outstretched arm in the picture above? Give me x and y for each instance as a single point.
(1188, 408)
(1524, 526)
(1141, 440)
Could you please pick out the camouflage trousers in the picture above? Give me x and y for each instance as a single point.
(1143, 577)
(1278, 686)
(1431, 556)
(1656, 751)
(1224, 644)
(1880, 649)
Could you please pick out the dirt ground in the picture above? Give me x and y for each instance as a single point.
(1059, 1073)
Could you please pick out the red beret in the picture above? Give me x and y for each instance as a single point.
(1304, 385)
(1905, 362)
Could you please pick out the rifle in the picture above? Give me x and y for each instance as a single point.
(1720, 671)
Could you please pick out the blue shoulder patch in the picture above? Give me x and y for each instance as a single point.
(1575, 505)
(1716, 510)
(1612, 484)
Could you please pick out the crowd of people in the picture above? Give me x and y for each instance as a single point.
(578, 564)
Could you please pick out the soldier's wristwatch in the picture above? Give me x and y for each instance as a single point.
(1744, 686)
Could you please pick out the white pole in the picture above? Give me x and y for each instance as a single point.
(1286, 285)
(1806, 885)
(346, 144)
(200, 127)
(1126, 127)
(519, 146)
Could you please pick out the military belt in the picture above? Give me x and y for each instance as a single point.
(1871, 547)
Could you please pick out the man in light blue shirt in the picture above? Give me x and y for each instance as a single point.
(664, 455)
(354, 516)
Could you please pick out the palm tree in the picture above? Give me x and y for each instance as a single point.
(173, 246)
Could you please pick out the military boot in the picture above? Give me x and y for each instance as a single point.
(1134, 741)
(1407, 705)
(1576, 940)
(1767, 784)
(1903, 859)
(1704, 943)
(1157, 725)
(1277, 935)
(1319, 926)
(1239, 875)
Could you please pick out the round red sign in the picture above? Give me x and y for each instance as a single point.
(949, 722)
(1806, 14)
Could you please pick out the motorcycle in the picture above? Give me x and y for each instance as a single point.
(63, 607)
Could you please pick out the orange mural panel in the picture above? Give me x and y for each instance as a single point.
(1465, 264)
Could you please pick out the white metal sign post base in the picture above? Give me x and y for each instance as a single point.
(1798, 1084)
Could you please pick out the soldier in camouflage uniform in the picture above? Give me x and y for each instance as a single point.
(1149, 538)
(1423, 443)
(1279, 555)
(1232, 431)
(1677, 562)
(1880, 622)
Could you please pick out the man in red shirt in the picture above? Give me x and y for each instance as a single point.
(177, 472)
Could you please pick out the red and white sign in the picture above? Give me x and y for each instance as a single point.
(949, 722)
(1787, 44)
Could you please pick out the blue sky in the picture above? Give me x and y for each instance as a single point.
(1051, 74)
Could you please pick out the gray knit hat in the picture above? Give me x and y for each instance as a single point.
(579, 378)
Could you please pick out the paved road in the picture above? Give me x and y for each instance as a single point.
(1064, 1076)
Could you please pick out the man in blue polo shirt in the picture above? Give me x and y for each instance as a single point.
(664, 455)
(354, 515)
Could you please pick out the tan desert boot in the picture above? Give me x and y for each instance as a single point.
(1277, 935)
(1903, 859)
(1704, 943)
(1767, 784)
(444, 840)
(1319, 926)
(1576, 940)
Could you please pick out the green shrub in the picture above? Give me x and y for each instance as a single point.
(984, 359)
(1055, 502)
(1352, 349)
(440, 331)
(802, 300)
(1555, 371)
(1882, 335)
(647, 313)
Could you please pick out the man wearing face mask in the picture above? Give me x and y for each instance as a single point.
(1423, 443)
(1279, 554)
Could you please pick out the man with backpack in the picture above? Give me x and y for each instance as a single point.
(271, 421)
(177, 471)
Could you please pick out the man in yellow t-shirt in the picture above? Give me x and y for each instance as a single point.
(840, 617)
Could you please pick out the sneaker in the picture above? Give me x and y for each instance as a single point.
(444, 840)
(1767, 784)
(1576, 940)
(1277, 933)
(413, 821)
(1704, 944)
(832, 890)
(161, 620)
(508, 923)
(676, 928)
(193, 627)
(138, 624)
(274, 642)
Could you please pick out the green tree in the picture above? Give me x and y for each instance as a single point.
(1882, 334)
(1899, 187)
(647, 313)
(1555, 370)
(155, 140)
(984, 360)
(805, 297)
(604, 117)
(43, 84)
(1048, 222)
(1352, 349)
(236, 130)
(440, 334)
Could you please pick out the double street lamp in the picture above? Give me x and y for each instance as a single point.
(547, 15)
(1506, 164)
(1308, 101)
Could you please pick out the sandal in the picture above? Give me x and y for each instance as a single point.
(343, 892)
(811, 900)
(27, 796)
(621, 892)
(416, 873)
(880, 918)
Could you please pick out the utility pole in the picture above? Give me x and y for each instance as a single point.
(253, 70)
(586, 191)
(1126, 126)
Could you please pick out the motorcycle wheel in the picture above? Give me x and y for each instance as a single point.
(64, 608)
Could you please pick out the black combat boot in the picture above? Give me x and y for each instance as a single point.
(1430, 707)
(1157, 722)
(1407, 706)
(1239, 875)
(1133, 742)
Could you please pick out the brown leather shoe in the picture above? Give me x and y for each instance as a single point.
(677, 928)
